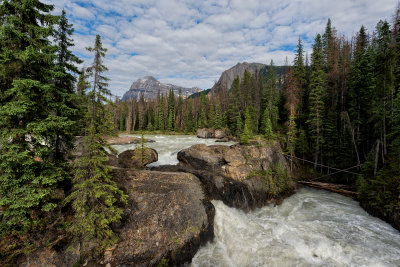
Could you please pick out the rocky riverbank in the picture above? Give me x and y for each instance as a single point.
(169, 214)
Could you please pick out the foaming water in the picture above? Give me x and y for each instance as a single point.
(168, 146)
(311, 228)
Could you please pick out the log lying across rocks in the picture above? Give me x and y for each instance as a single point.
(336, 188)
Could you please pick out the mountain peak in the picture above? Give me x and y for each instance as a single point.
(150, 87)
(227, 77)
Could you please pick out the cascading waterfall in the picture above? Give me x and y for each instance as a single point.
(310, 228)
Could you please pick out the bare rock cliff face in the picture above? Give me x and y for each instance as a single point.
(227, 77)
(150, 87)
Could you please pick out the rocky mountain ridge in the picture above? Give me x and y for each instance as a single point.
(227, 77)
(150, 87)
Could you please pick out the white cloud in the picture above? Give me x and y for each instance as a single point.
(190, 42)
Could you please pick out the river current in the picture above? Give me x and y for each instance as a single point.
(311, 228)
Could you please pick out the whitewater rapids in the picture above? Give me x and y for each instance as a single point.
(311, 228)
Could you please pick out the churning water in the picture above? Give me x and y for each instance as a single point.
(168, 146)
(311, 228)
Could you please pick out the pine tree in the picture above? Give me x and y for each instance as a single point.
(95, 195)
(30, 120)
(239, 125)
(270, 96)
(64, 80)
(171, 110)
(161, 116)
(189, 125)
(247, 133)
(211, 115)
(299, 72)
(234, 108)
(394, 134)
(218, 123)
(266, 124)
(384, 82)
(317, 84)
(203, 113)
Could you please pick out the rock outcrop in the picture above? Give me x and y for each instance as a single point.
(244, 177)
(167, 217)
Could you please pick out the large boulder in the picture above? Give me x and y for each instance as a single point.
(221, 133)
(242, 176)
(205, 133)
(167, 218)
(137, 158)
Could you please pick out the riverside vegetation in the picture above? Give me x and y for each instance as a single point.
(339, 108)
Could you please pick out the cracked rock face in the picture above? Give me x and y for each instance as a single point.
(168, 216)
(244, 177)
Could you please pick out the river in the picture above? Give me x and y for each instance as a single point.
(168, 146)
(311, 228)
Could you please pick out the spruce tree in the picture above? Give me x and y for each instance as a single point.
(161, 116)
(317, 84)
(189, 125)
(30, 117)
(299, 72)
(266, 124)
(270, 96)
(247, 133)
(95, 196)
(218, 123)
(64, 80)
(171, 110)
(179, 111)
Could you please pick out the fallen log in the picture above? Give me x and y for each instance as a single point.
(336, 188)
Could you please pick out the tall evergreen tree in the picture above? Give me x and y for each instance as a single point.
(384, 82)
(161, 114)
(171, 110)
(270, 95)
(299, 72)
(64, 80)
(317, 84)
(95, 195)
(29, 118)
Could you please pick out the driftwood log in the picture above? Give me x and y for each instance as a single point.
(336, 188)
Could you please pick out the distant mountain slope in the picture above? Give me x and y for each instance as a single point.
(227, 77)
(150, 87)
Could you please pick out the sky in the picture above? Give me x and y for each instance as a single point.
(191, 42)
